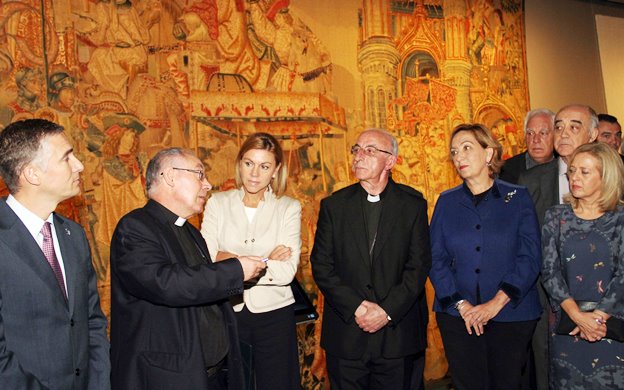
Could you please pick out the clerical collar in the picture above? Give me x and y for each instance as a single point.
(180, 221)
(373, 198)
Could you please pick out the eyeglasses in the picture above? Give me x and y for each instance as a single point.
(369, 150)
(200, 174)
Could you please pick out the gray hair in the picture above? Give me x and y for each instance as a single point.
(538, 111)
(157, 164)
(394, 144)
(594, 118)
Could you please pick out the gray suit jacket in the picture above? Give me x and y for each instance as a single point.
(47, 342)
(543, 184)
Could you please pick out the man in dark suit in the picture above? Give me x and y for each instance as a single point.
(539, 137)
(172, 326)
(575, 125)
(609, 131)
(52, 331)
(371, 259)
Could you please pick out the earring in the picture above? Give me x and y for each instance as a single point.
(489, 164)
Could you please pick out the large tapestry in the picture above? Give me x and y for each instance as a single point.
(127, 78)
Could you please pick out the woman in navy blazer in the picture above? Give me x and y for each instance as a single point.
(486, 258)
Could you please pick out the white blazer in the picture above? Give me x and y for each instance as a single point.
(226, 228)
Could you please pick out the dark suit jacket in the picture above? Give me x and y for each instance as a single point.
(513, 168)
(157, 303)
(542, 182)
(394, 278)
(47, 342)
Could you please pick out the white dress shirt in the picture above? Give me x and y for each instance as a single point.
(34, 224)
(564, 184)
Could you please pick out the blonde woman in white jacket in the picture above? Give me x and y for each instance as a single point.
(257, 219)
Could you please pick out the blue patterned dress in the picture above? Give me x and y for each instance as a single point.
(584, 260)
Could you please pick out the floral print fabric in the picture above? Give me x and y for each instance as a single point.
(583, 259)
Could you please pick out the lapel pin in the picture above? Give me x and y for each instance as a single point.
(509, 196)
(67, 232)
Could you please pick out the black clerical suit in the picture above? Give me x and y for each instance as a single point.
(388, 265)
(170, 307)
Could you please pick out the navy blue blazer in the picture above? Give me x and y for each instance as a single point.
(489, 247)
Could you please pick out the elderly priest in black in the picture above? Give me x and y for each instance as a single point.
(371, 259)
(172, 326)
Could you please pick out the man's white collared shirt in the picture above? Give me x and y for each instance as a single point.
(34, 224)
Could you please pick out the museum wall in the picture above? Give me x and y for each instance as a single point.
(563, 54)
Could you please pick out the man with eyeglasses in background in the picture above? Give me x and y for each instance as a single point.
(575, 125)
(539, 138)
(172, 325)
(371, 258)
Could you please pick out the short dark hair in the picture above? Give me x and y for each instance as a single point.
(20, 143)
(608, 118)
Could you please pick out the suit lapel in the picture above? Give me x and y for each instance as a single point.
(19, 240)
(555, 185)
(355, 208)
(390, 213)
(549, 185)
(66, 237)
(201, 244)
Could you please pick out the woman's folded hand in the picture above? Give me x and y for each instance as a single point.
(280, 252)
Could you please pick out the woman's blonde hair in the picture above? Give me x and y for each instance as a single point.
(265, 141)
(611, 171)
(484, 137)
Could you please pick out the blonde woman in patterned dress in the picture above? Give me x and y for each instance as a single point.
(583, 272)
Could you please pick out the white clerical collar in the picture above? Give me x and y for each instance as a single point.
(180, 221)
(373, 198)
